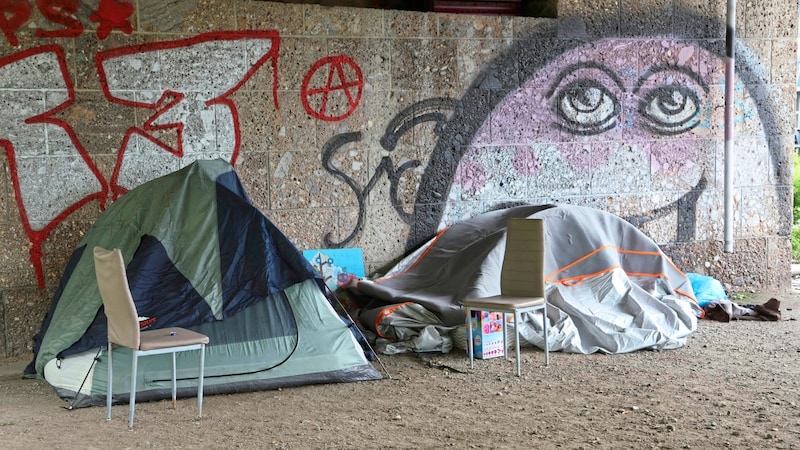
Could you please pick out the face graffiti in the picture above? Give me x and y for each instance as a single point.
(587, 100)
(632, 123)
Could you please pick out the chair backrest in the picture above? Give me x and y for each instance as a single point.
(123, 320)
(523, 264)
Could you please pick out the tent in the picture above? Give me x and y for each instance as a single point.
(199, 255)
(609, 287)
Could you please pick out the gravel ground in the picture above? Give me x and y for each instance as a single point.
(735, 385)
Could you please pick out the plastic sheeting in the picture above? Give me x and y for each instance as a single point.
(609, 287)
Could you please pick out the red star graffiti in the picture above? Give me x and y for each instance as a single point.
(111, 15)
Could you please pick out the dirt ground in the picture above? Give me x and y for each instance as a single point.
(735, 385)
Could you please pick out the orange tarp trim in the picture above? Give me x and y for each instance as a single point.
(432, 244)
(386, 312)
(570, 281)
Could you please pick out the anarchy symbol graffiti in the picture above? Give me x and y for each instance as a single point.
(337, 87)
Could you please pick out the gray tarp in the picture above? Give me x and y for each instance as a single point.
(609, 287)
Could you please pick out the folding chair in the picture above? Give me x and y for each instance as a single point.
(522, 284)
(123, 329)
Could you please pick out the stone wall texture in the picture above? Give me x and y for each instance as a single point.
(376, 128)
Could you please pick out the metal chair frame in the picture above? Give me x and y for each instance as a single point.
(522, 285)
(123, 331)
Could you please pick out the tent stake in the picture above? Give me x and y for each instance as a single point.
(94, 360)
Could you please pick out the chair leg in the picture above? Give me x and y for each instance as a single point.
(516, 332)
(110, 377)
(134, 363)
(200, 381)
(174, 384)
(469, 339)
(546, 345)
(505, 337)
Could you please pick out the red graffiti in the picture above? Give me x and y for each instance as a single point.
(13, 15)
(61, 12)
(75, 170)
(111, 15)
(336, 93)
(184, 97)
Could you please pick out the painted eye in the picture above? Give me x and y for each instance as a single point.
(671, 109)
(586, 107)
(672, 99)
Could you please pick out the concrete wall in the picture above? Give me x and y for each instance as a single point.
(374, 129)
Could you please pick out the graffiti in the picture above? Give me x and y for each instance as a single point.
(386, 166)
(685, 208)
(341, 84)
(13, 15)
(585, 105)
(430, 110)
(61, 12)
(585, 122)
(584, 128)
(744, 112)
(110, 15)
(52, 174)
(187, 83)
(672, 108)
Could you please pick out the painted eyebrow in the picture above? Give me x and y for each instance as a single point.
(583, 65)
(673, 68)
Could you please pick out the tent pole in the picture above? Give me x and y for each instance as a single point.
(94, 360)
(730, 60)
(341, 306)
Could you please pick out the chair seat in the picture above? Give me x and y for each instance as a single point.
(500, 302)
(170, 337)
(507, 304)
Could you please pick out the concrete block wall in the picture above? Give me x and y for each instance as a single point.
(376, 128)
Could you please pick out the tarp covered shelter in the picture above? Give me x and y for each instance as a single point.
(199, 255)
(609, 287)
